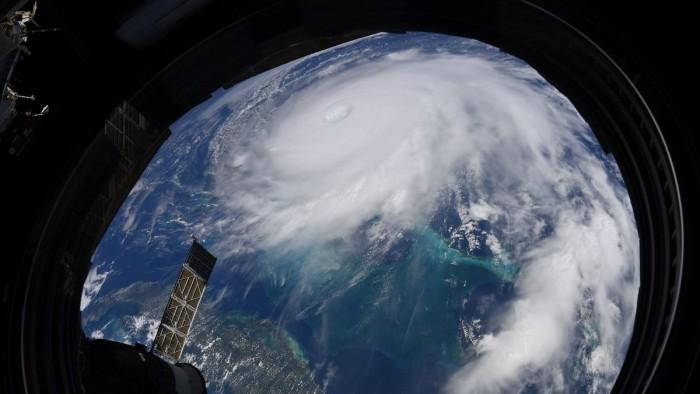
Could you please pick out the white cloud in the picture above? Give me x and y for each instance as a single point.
(143, 325)
(93, 283)
(99, 332)
(536, 331)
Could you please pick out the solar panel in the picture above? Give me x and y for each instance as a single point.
(183, 303)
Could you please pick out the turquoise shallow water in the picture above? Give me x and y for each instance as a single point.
(404, 302)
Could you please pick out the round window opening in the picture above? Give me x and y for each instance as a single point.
(402, 213)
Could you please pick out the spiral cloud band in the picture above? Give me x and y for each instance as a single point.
(387, 138)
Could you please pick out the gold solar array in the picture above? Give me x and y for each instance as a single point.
(183, 303)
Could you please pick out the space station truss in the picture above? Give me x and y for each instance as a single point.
(183, 303)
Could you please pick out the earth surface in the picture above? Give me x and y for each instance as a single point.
(407, 213)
